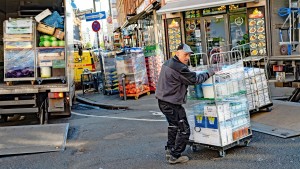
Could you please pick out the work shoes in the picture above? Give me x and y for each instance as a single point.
(168, 155)
(181, 159)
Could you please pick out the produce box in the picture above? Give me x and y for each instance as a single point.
(18, 37)
(18, 44)
(43, 15)
(45, 29)
(59, 34)
(58, 64)
(46, 63)
(58, 72)
(51, 54)
(18, 26)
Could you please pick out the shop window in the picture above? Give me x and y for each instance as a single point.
(214, 10)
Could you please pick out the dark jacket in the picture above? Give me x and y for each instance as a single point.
(174, 79)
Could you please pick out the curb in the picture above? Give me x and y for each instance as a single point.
(93, 103)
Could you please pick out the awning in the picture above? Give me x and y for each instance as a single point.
(133, 19)
(186, 5)
(117, 30)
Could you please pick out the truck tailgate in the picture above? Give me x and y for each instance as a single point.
(33, 138)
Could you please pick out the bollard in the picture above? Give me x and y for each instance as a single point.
(124, 86)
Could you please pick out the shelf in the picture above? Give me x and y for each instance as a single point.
(18, 48)
(253, 58)
(58, 47)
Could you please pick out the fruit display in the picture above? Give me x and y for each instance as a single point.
(257, 33)
(153, 59)
(50, 41)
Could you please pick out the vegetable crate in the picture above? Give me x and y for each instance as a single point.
(19, 50)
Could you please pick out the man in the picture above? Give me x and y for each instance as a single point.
(171, 93)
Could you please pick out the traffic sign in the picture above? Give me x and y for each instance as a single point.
(109, 20)
(95, 16)
(96, 26)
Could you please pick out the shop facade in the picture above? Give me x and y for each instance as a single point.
(214, 26)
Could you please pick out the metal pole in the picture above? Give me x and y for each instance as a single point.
(98, 44)
(124, 86)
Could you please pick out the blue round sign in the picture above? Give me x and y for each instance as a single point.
(96, 26)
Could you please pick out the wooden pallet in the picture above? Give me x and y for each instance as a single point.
(136, 96)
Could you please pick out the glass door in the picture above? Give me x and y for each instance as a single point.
(238, 32)
(216, 33)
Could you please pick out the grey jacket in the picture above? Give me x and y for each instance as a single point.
(174, 79)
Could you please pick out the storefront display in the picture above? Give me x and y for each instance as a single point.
(133, 66)
(153, 64)
(257, 32)
(174, 34)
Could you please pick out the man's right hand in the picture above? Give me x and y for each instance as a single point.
(211, 72)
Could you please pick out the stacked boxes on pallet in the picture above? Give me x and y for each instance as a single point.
(111, 82)
(133, 66)
(257, 88)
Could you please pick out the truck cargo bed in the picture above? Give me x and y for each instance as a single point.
(28, 88)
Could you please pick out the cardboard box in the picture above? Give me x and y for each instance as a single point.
(51, 56)
(13, 27)
(59, 64)
(46, 63)
(45, 29)
(43, 15)
(58, 72)
(213, 137)
(59, 34)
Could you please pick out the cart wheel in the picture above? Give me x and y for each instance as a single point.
(246, 143)
(136, 97)
(32, 82)
(222, 153)
(268, 109)
(194, 148)
(148, 93)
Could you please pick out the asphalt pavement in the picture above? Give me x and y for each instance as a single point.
(134, 138)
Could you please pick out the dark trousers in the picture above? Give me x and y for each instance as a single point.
(178, 130)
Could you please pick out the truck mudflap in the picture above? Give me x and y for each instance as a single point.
(33, 138)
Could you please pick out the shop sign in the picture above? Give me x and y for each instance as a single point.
(109, 20)
(215, 10)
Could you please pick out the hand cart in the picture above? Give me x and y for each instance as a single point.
(221, 118)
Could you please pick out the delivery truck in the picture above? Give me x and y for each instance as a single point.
(36, 54)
